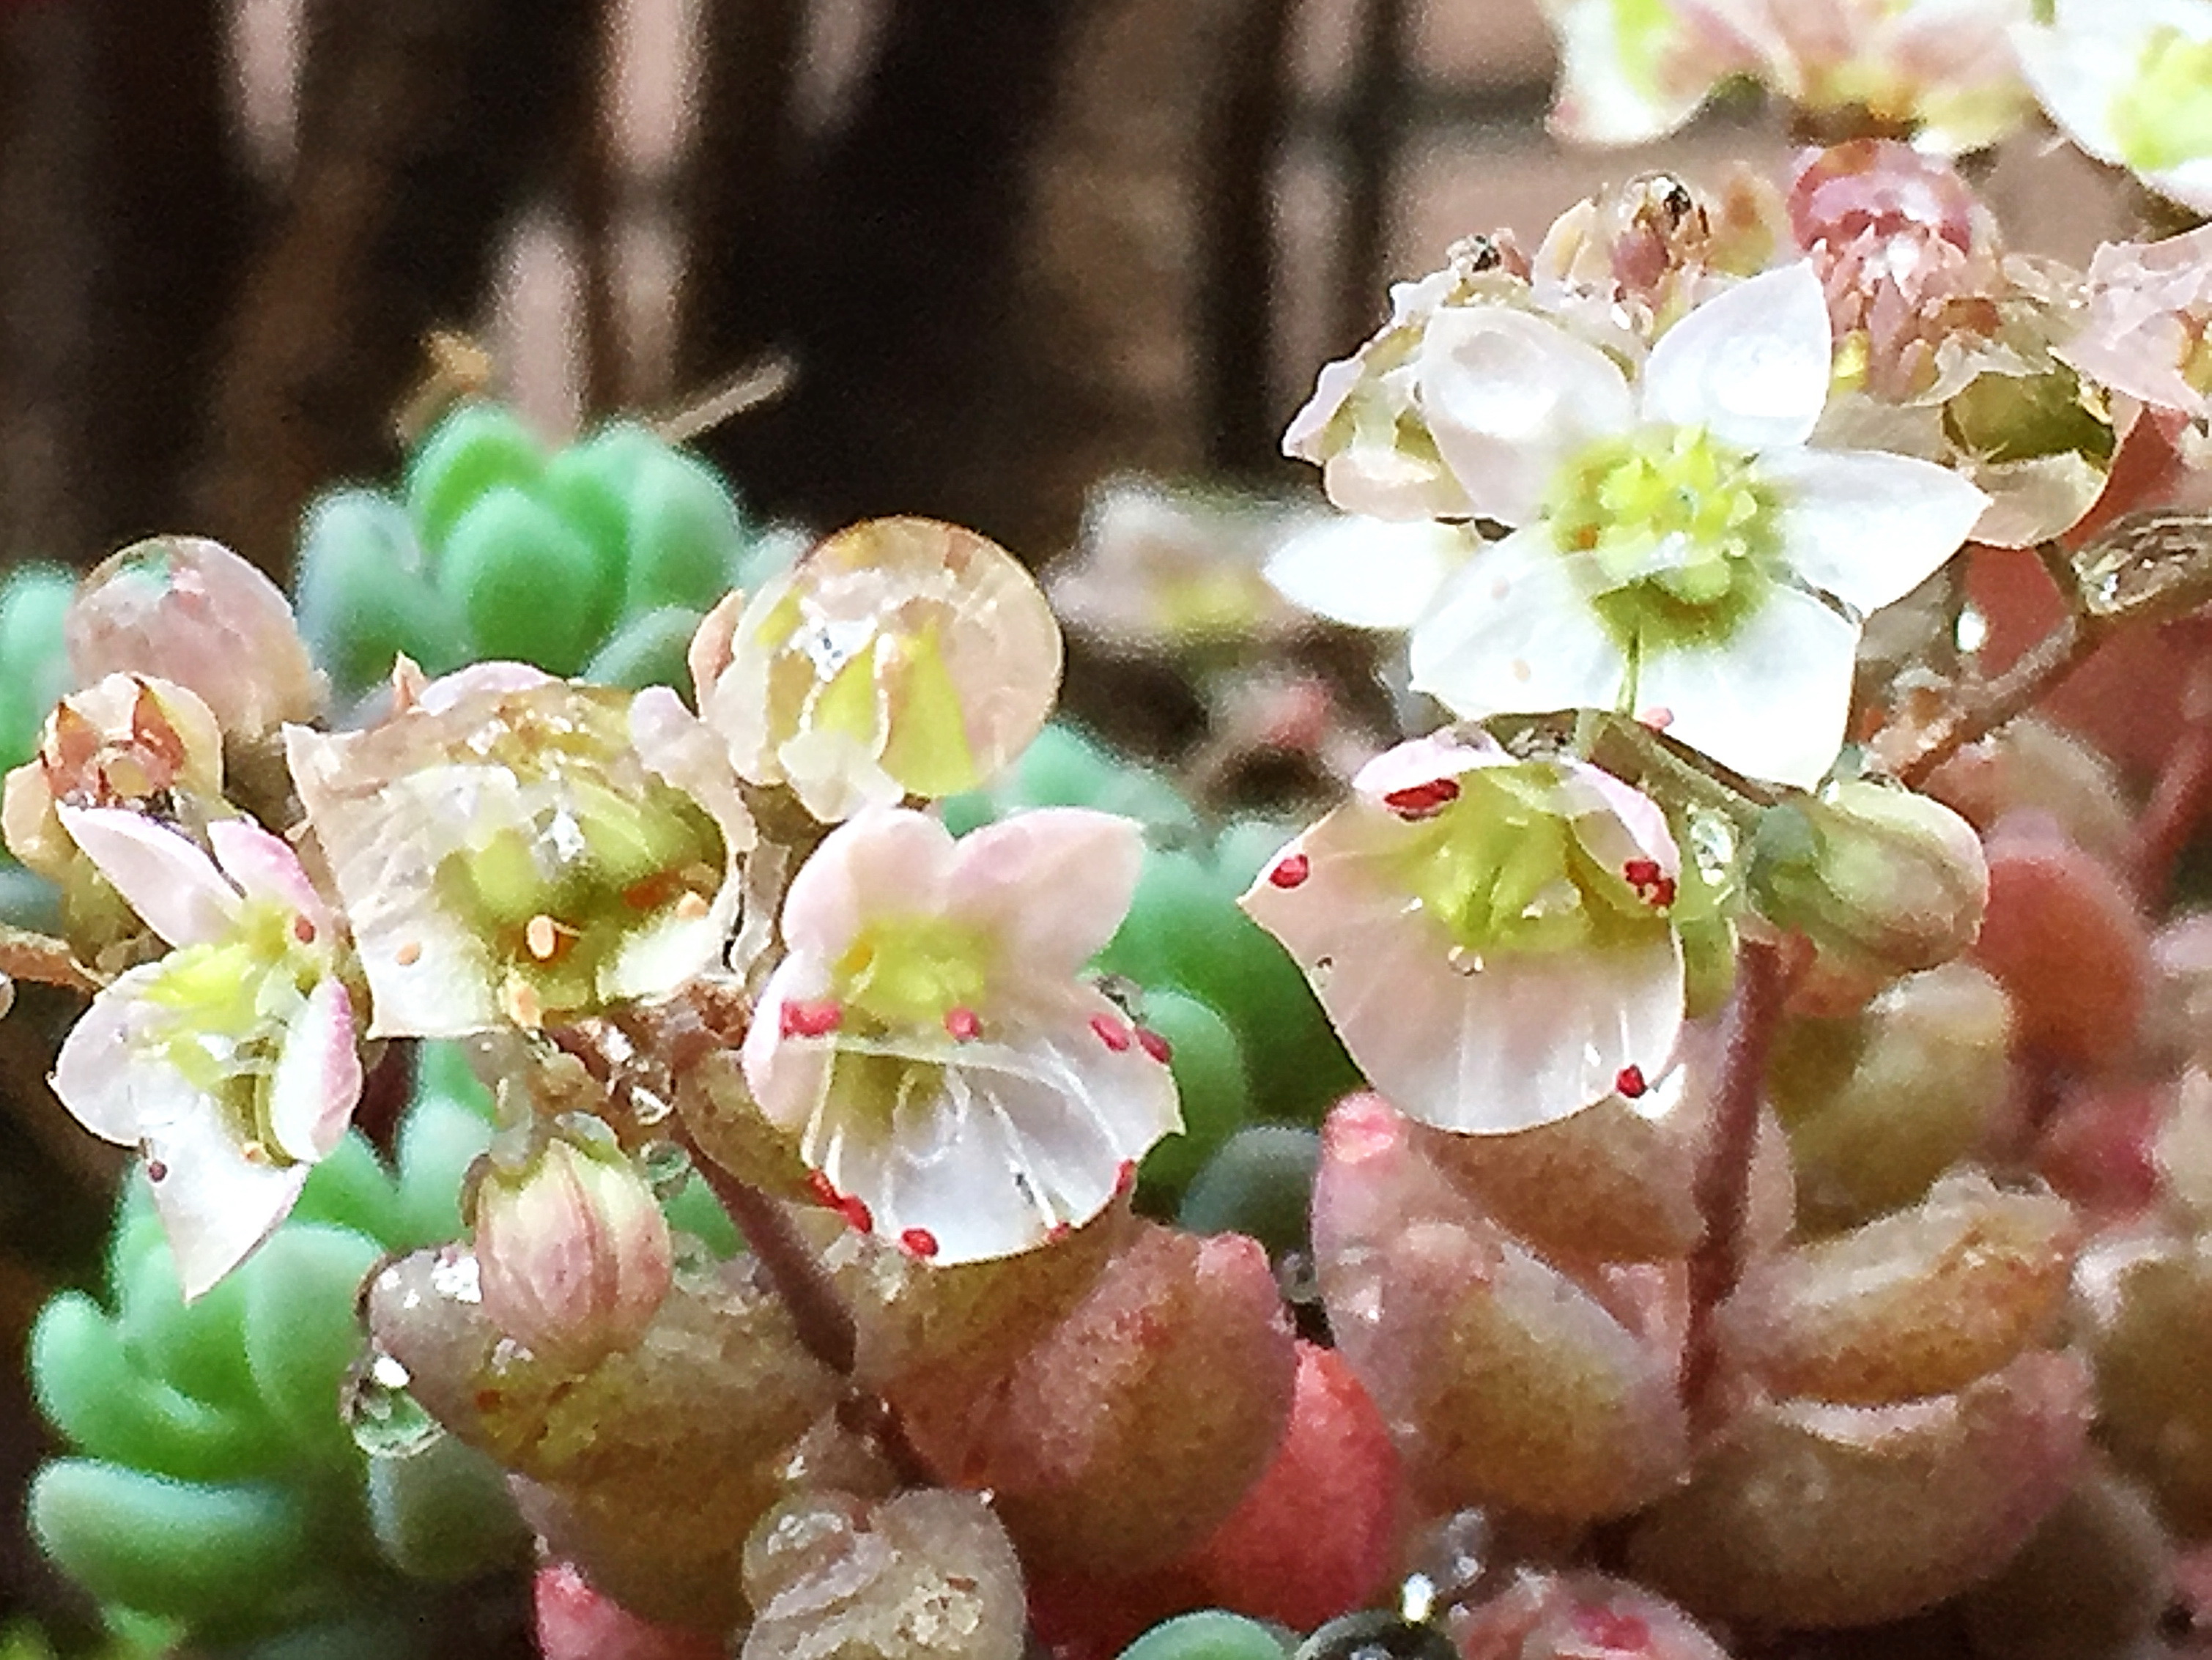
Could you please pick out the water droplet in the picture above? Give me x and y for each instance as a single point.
(1463, 961)
(1372, 1635)
(385, 1419)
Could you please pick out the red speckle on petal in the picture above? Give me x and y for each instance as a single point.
(1630, 1082)
(1125, 1178)
(1612, 1632)
(1111, 1032)
(303, 930)
(920, 1242)
(851, 1207)
(1419, 800)
(809, 1019)
(963, 1025)
(1155, 1045)
(1291, 871)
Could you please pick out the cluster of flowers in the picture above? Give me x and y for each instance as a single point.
(1637, 499)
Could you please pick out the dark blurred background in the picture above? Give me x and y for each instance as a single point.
(1006, 248)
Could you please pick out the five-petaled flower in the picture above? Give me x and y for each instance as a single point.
(231, 1060)
(952, 1085)
(1491, 937)
(1682, 555)
(2131, 82)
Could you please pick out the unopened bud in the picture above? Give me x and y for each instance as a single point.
(191, 610)
(573, 1253)
(1885, 881)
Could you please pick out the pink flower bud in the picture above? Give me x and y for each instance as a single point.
(573, 1253)
(191, 610)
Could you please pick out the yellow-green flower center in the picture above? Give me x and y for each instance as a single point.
(229, 1003)
(2164, 117)
(1500, 868)
(1680, 532)
(913, 971)
(557, 898)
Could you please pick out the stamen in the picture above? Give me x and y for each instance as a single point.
(810, 1019)
(963, 1025)
(1658, 718)
(409, 954)
(850, 1206)
(303, 930)
(1291, 871)
(693, 905)
(1419, 800)
(1125, 1178)
(1652, 885)
(1629, 1082)
(1111, 1032)
(541, 935)
(919, 1242)
(1154, 1045)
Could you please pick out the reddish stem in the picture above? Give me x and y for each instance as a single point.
(1764, 971)
(2178, 800)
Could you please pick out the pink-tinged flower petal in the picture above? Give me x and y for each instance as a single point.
(1508, 396)
(265, 867)
(216, 1203)
(318, 1078)
(2135, 338)
(1050, 886)
(1513, 632)
(1421, 761)
(1617, 822)
(1750, 366)
(886, 862)
(1773, 701)
(1869, 528)
(1480, 1045)
(172, 885)
(447, 690)
(1369, 573)
(105, 1075)
(1001, 1144)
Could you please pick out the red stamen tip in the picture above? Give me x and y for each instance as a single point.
(1630, 1082)
(963, 1025)
(810, 1019)
(1419, 800)
(1155, 1045)
(850, 1206)
(919, 1242)
(1291, 871)
(1111, 1032)
(1658, 718)
(1058, 1231)
(1652, 885)
(303, 930)
(1125, 1178)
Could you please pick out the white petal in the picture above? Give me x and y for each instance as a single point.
(1512, 633)
(1019, 1138)
(216, 1205)
(108, 1073)
(318, 1078)
(1306, 438)
(2190, 184)
(1508, 396)
(265, 867)
(1772, 702)
(1870, 528)
(1369, 573)
(2074, 71)
(1049, 886)
(1482, 1045)
(887, 860)
(173, 886)
(1751, 365)
(1602, 99)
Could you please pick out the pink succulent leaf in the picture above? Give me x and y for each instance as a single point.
(317, 1083)
(173, 886)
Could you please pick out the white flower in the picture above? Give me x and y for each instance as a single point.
(1490, 938)
(954, 1087)
(2131, 82)
(231, 1060)
(512, 849)
(1682, 557)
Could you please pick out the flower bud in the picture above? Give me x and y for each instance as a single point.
(1881, 881)
(193, 611)
(573, 1253)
